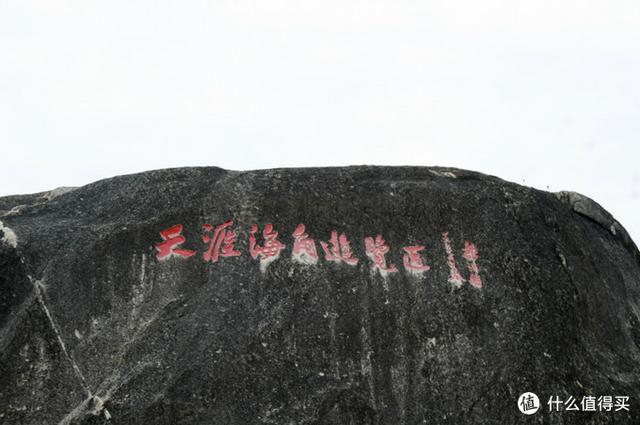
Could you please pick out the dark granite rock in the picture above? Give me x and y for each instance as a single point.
(95, 328)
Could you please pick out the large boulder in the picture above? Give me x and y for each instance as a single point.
(356, 295)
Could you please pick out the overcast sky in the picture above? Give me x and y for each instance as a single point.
(543, 93)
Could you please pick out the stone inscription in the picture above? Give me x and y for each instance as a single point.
(218, 241)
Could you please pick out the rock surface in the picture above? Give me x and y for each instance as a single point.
(103, 319)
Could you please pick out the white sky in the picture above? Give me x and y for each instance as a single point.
(545, 93)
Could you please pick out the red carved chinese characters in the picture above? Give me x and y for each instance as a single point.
(171, 238)
(304, 248)
(412, 261)
(220, 242)
(271, 248)
(340, 250)
(470, 254)
(376, 250)
(454, 275)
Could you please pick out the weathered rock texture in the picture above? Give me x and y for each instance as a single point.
(94, 328)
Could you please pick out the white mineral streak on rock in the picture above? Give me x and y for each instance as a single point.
(8, 236)
(264, 262)
(58, 191)
(14, 211)
(304, 258)
(443, 174)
